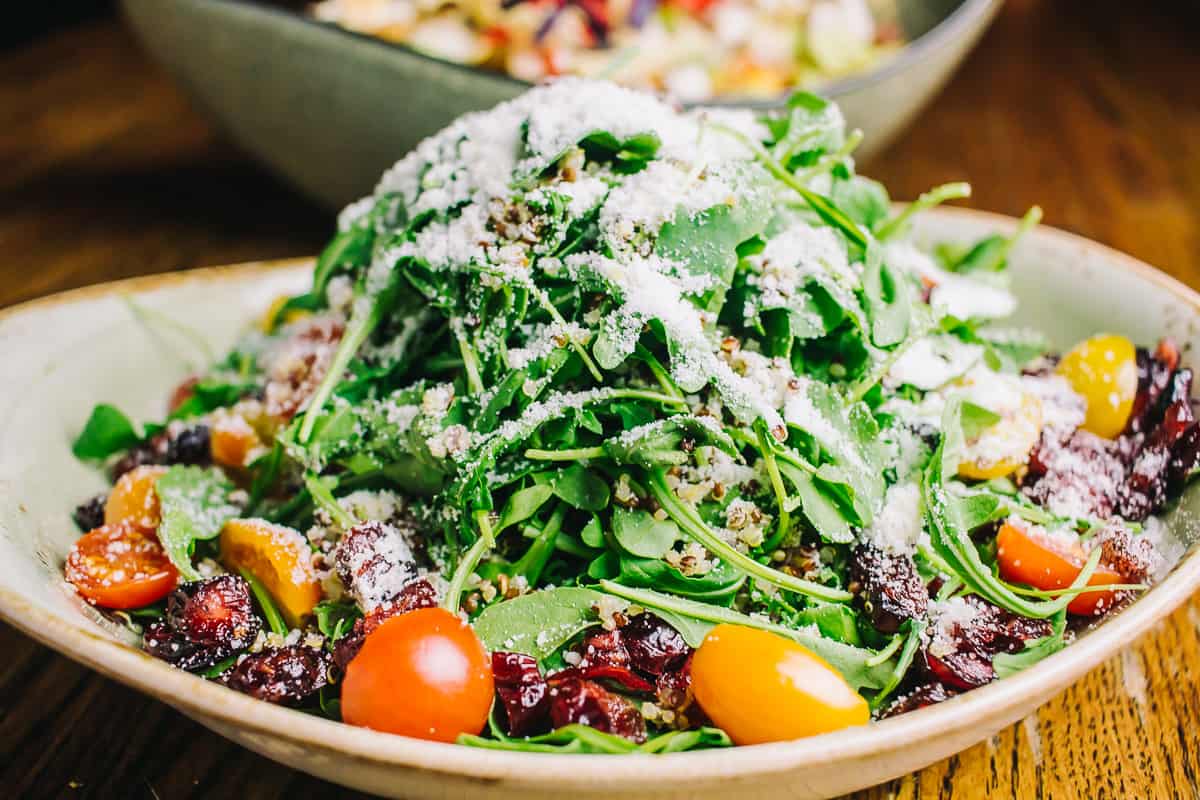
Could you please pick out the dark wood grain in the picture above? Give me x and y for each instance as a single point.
(1090, 109)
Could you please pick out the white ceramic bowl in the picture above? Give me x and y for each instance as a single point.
(63, 353)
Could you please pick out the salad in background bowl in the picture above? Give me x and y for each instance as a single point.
(694, 51)
(330, 109)
(659, 430)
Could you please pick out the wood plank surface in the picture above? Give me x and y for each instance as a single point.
(1090, 109)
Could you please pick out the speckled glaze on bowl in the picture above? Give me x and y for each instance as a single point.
(63, 353)
(330, 110)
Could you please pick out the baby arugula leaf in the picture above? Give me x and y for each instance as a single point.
(581, 488)
(889, 300)
(106, 432)
(195, 506)
(642, 535)
(538, 623)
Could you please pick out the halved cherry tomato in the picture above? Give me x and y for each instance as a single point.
(1038, 562)
(133, 499)
(120, 566)
(760, 687)
(1103, 369)
(1004, 447)
(281, 560)
(182, 393)
(232, 439)
(423, 674)
(275, 316)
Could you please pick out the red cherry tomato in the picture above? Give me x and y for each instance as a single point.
(120, 566)
(1042, 564)
(423, 674)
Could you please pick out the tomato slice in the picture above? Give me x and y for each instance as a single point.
(1037, 561)
(120, 566)
(134, 500)
(760, 687)
(423, 674)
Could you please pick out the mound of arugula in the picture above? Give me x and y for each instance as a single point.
(583, 327)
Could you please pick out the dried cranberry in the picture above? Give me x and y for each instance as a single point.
(654, 647)
(163, 641)
(189, 446)
(1132, 557)
(961, 670)
(347, 647)
(583, 702)
(207, 621)
(1153, 377)
(89, 515)
(284, 675)
(374, 562)
(417, 594)
(926, 695)
(1145, 489)
(523, 690)
(892, 591)
(623, 676)
(214, 612)
(673, 692)
(1185, 459)
(605, 647)
(152, 452)
(1077, 476)
(963, 641)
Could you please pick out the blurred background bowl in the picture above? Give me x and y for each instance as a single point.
(329, 109)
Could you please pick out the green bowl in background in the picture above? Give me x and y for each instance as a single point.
(330, 110)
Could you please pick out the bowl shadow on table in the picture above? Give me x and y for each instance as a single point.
(330, 109)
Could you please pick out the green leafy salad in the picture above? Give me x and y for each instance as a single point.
(657, 427)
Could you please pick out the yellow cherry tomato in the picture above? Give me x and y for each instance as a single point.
(760, 687)
(1103, 370)
(281, 560)
(1003, 447)
(272, 318)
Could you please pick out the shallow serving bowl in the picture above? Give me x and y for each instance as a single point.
(122, 343)
(330, 110)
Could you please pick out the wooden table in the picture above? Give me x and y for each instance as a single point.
(1089, 108)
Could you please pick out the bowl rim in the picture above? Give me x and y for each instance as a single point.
(208, 701)
(945, 30)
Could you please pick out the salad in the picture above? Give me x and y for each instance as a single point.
(606, 427)
(694, 49)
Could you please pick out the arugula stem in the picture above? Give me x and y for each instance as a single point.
(886, 653)
(660, 373)
(785, 522)
(534, 560)
(935, 196)
(555, 315)
(831, 160)
(858, 391)
(462, 572)
(324, 498)
(469, 359)
(691, 523)
(902, 663)
(823, 208)
(357, 331)
(573, 454)
(266, 603)
(1104, 587)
